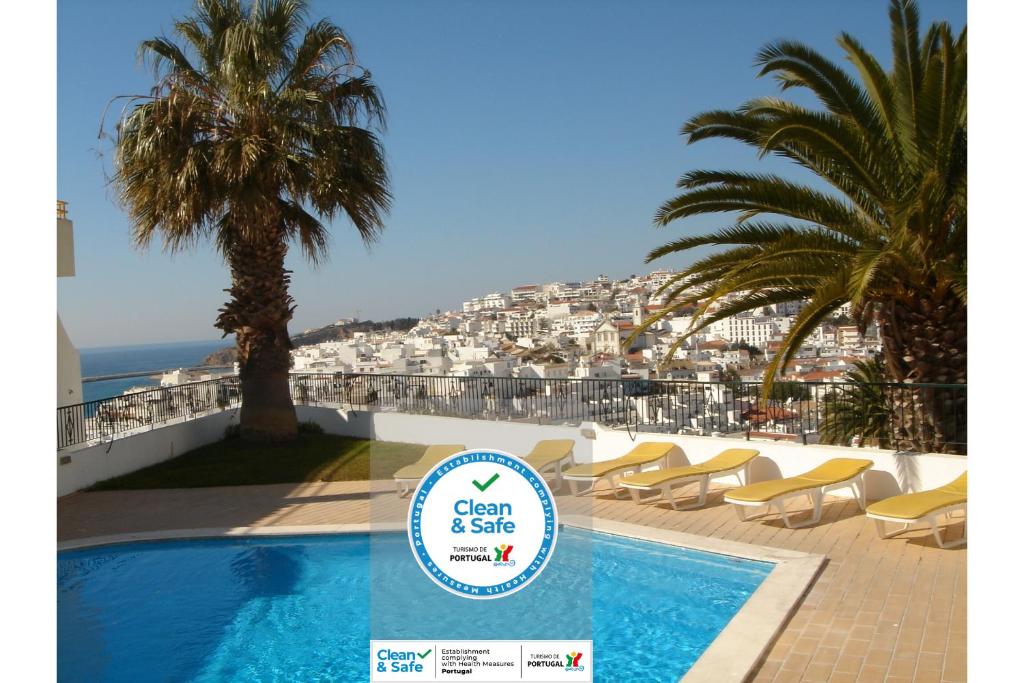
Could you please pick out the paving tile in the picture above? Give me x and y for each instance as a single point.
(893, 609)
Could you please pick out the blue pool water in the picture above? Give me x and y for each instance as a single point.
(303, 608)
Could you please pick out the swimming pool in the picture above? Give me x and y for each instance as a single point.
(303, 608)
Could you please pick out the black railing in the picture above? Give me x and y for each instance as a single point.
(107, 418)
(908, 416)
(891, 415)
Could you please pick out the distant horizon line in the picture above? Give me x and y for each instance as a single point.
(224, 340)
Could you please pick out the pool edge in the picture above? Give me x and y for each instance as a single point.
(741, 646)
(730, 658)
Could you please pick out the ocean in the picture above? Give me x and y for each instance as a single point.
(111, 360)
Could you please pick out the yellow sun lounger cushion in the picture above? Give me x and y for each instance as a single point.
(914, 506)
(431, 456)
(642, 454)
(830, 472)
(729, 459)
(549, 452)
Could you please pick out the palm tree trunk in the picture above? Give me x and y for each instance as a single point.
(258, 315)
(925, 341)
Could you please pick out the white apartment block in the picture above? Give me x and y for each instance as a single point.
(525, 293)
(470, 353)
(577, 324)
(544, 370)
(606, 370)
(469, 369)
(495, 301)
(658, 278)
(680, 324)
(560, 308)
(521, 323)
(848, 335)
(563, 290)
(755, 330)
(789, 307)
(825, 336)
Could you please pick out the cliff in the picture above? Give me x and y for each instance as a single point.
(228, 354)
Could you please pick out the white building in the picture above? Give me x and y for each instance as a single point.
(658, 278)
(492, 302)
(69, 367)
(754, 330)
(605, 370)
(578, 324)
(544, 370)
(789, 308)
(560, 308)
(525, 293)
(606, 339)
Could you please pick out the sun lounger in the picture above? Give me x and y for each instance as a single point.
(838, 473)
(407, 477)
(732, 461)
(553, 454)
(911, 508)
(648, 453)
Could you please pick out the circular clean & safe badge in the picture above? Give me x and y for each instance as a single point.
(482, 524)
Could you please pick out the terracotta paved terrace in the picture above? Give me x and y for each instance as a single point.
(882, 610)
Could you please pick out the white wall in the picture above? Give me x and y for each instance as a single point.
(121, 456)
(893, 473)
(515, 437)
(69, 369)
(65, 248)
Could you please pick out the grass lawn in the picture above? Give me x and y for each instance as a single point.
(234, 462)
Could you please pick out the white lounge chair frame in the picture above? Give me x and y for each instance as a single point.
(816, 495)
(405, 486)
(931, 518)
(704, 478)
(610, 476)
(556, 469)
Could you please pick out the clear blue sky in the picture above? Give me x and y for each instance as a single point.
(528, 142)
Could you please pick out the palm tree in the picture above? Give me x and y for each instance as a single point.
(860, 409)
(884, 228)
(259, 126)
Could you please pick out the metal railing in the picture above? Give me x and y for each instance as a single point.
(889, 415)
(104, 419)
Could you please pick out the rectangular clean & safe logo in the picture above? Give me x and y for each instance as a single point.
(481, 661)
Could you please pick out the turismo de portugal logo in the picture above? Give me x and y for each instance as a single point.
(482, 524)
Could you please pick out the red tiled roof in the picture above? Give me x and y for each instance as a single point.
(769, 413)
(817, 375)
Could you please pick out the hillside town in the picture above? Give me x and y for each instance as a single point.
(577, 330)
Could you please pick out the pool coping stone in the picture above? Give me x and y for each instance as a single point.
(730, 658)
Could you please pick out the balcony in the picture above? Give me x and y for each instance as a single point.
(801, 413)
